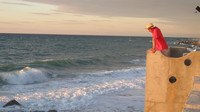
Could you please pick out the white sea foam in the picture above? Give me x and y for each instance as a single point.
(126, 101)
(75, 94)
(25, 76)
(138, 61)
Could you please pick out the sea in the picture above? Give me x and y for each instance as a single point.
(72, 72)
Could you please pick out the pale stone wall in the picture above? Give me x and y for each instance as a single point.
(160, 94)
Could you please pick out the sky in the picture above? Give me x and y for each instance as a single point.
(175, 18)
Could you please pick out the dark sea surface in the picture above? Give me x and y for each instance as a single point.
(66, 72)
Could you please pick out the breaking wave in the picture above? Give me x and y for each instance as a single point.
(24, 76)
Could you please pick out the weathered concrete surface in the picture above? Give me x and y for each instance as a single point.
(196, 86)
(191, 110)
(161, 95)
(193, 101)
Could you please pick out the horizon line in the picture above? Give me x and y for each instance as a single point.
(93, 35)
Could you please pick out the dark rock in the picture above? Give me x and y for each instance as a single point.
(189, 42)
(11, 103)
(37, 111)
(52, 111)
(184, 42)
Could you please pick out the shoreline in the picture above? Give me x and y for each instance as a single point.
(131, 100)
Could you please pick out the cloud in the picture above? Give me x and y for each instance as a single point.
(178, 14)
(101, 20)
(125, 8)
(44, 14)
(16, 22)
(73, 22)
(24, 4)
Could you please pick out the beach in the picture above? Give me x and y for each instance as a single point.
(125, 101)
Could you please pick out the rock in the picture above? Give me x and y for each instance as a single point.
(184, 42)
(11, 103)
(188, 42)
(195, 42)
(52, 111)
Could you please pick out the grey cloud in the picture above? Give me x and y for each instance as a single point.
(101, 20)
(16, 3)
(46, 14)
(125, 8)
(16, 22)
(73, 22)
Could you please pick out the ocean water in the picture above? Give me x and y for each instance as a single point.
(69, 72)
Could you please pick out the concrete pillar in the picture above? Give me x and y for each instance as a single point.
(169, 80)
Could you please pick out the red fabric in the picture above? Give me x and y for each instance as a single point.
(160, 41)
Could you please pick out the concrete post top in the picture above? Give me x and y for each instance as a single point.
(175, 52)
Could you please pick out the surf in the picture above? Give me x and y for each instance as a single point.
(24, 76)
(77, 92)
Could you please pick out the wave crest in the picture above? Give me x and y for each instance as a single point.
(25, 76)
(68, 62)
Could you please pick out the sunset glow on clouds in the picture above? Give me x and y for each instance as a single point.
(100, 17)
